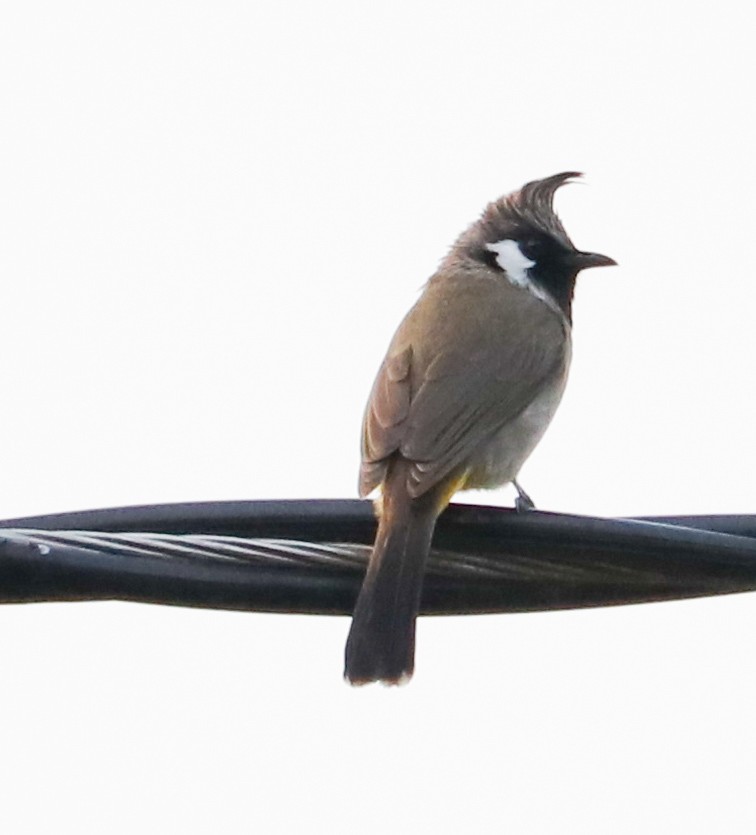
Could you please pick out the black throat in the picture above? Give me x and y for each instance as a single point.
(551, 275)
(559, 284)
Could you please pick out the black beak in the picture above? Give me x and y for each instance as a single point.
(583, 260)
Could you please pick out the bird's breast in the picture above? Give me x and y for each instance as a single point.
(499, 460)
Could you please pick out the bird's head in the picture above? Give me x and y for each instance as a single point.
(521, 236)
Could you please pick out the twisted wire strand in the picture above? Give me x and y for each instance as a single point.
(310, 557)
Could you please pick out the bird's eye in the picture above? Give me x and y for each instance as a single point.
(532, 248)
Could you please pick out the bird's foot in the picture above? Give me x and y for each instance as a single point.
(523, 502)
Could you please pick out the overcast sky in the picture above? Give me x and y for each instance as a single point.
(214, 216)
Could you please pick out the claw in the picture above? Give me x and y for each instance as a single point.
(523, 502)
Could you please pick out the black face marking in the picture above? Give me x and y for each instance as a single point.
(535, 247)
(551, 271)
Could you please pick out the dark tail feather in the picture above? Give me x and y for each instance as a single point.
(381, 643)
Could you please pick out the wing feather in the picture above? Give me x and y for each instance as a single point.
(468, 358)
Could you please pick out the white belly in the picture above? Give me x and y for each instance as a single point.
(499, 461)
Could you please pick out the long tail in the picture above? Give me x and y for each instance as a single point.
(381, 643)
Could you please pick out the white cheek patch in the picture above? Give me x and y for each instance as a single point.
(510, 258)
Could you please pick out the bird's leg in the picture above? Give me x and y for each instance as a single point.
(523, 501)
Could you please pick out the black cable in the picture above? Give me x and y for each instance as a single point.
(309, 556)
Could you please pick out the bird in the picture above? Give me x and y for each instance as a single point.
(468, 386)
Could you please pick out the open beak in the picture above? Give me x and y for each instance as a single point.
(583, 260)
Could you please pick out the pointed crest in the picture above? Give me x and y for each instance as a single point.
(534, 204)
(529, 209)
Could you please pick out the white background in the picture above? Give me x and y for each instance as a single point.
(213, 217)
